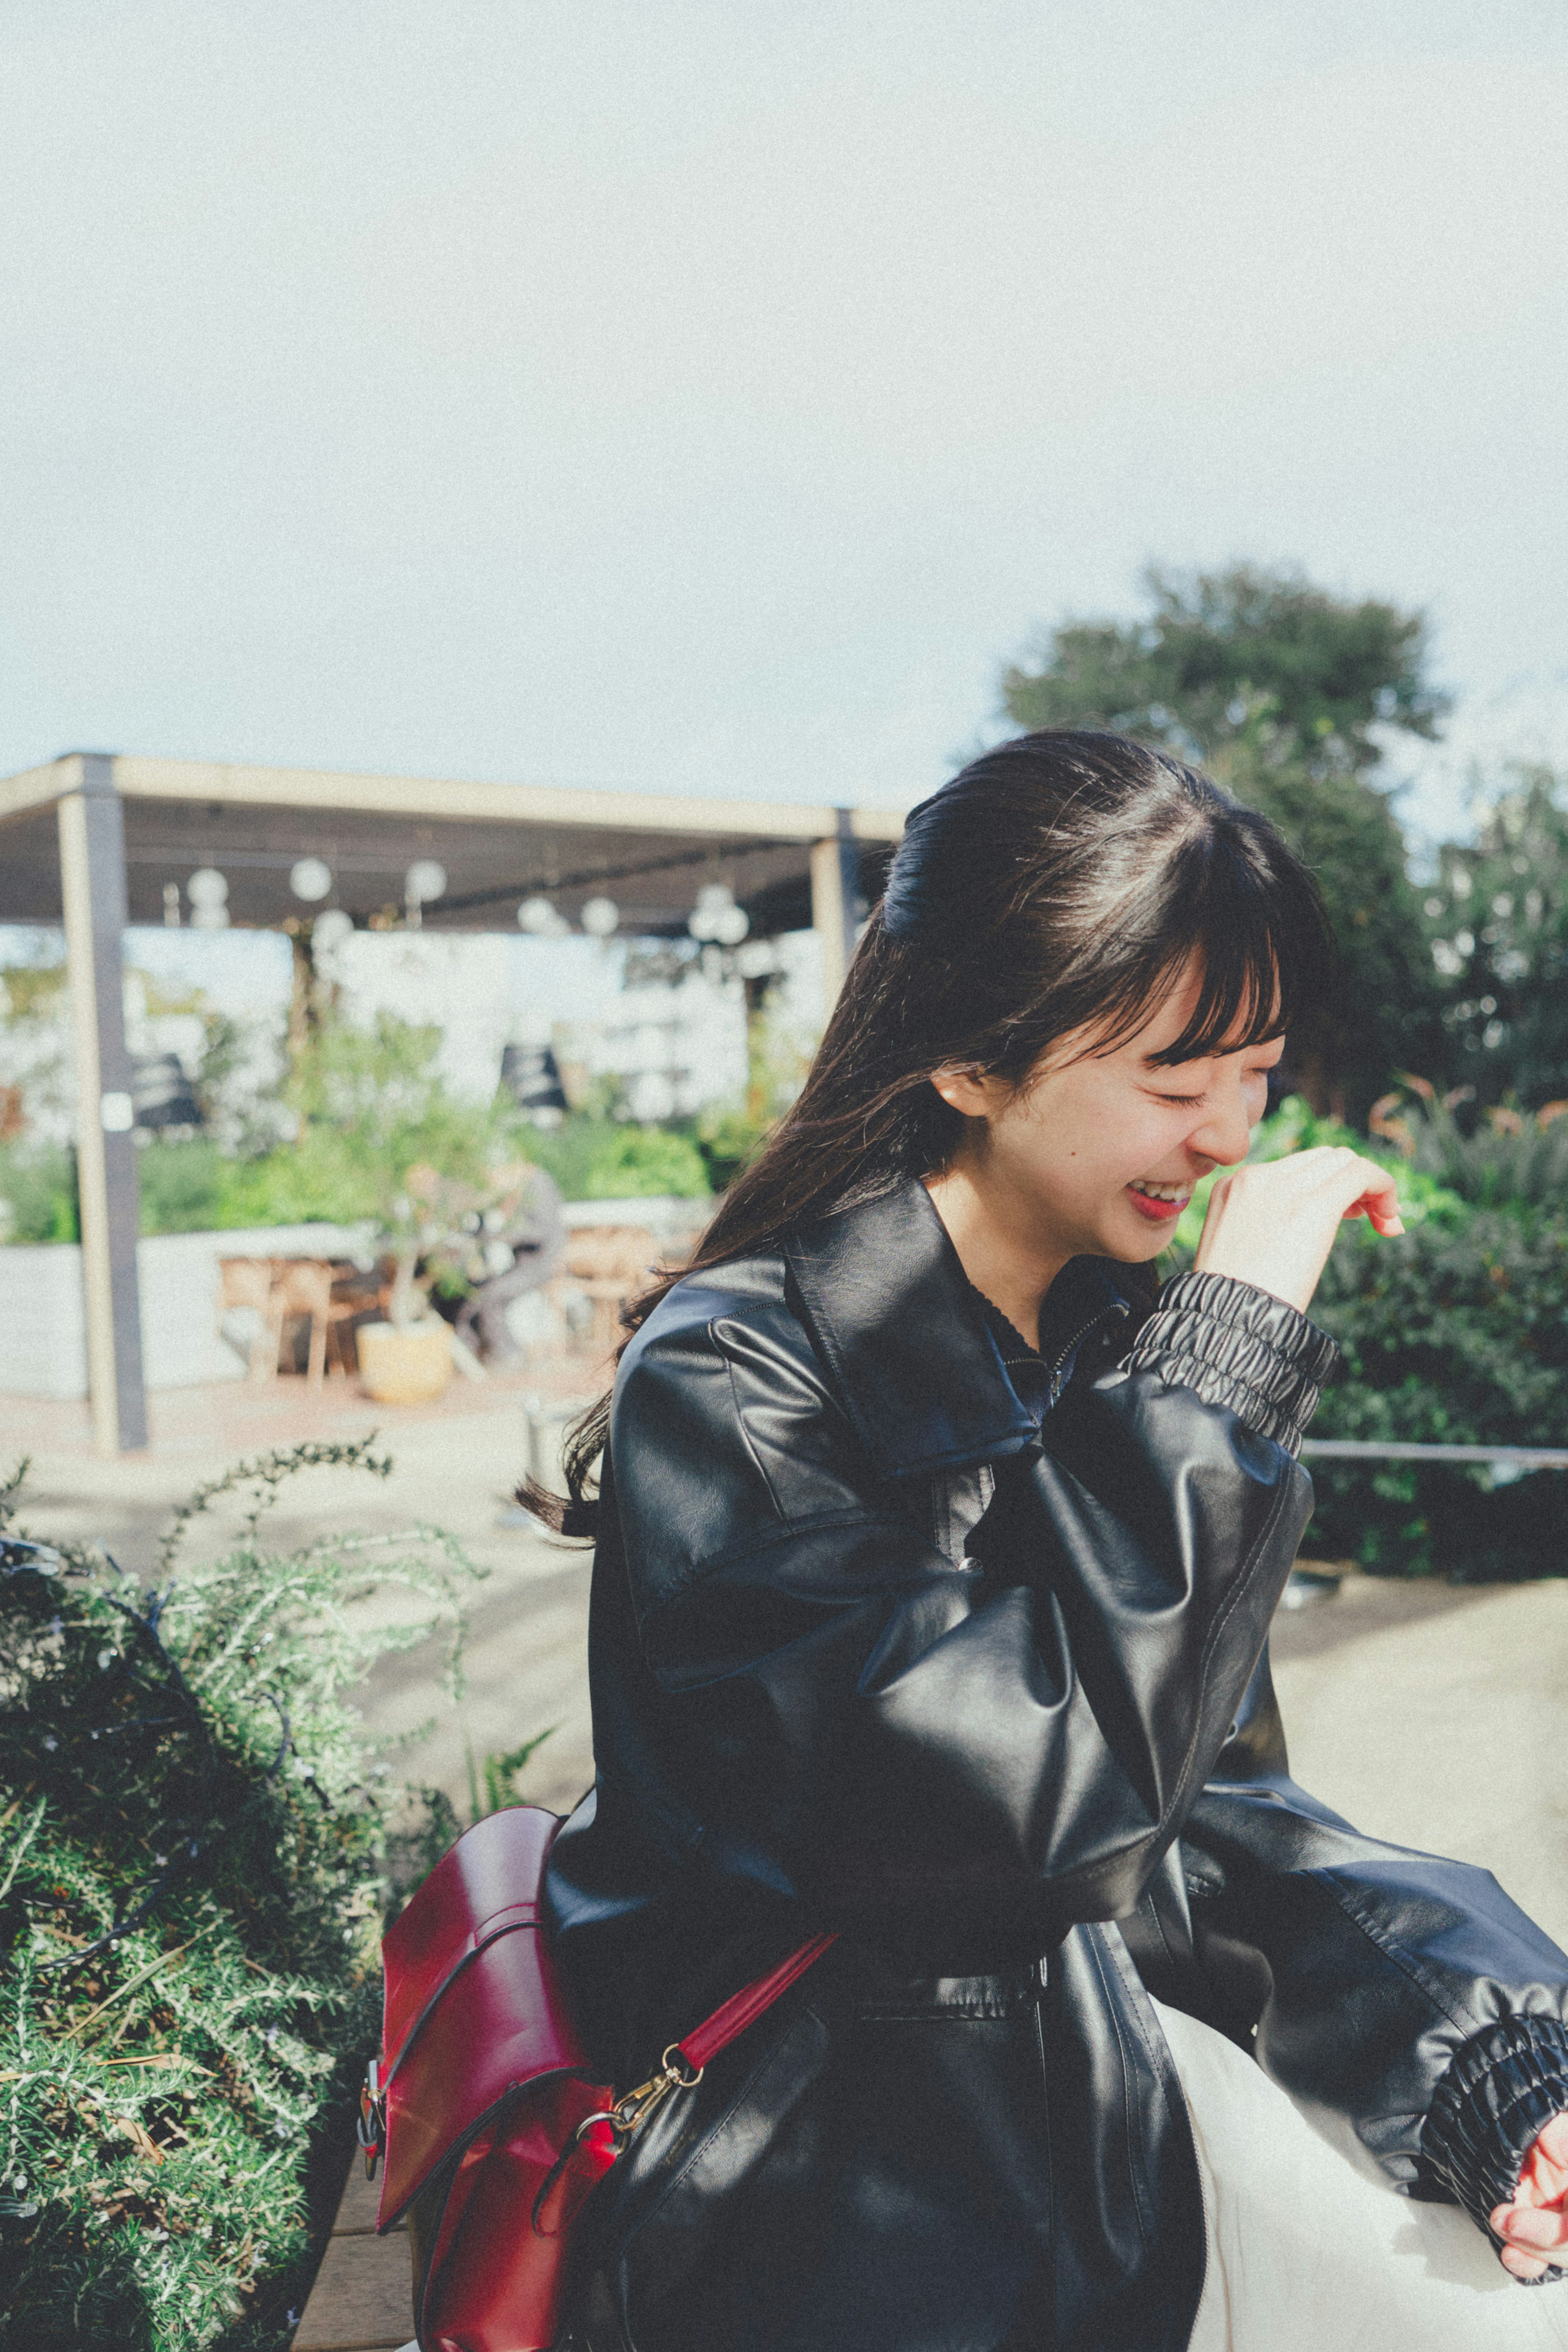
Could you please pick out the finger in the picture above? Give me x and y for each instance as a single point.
(1381, 1212)
(1544, 2179)
(1554, 2140)
(1539, 2229)
(1523, 2266)
(1541, 2183)
(1378, 1199)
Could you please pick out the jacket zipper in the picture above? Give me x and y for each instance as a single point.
(1066, 1354)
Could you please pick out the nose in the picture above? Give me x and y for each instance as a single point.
(1226, 1134)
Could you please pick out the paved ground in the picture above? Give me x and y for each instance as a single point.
(1435, 1715)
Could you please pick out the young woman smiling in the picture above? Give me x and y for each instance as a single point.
(936, 1555)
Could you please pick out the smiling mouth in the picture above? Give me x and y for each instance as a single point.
(1160, 1203)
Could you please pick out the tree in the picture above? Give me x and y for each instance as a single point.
(1498, 923)
(1281, 691)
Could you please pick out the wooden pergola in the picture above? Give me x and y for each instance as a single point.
(98, 840)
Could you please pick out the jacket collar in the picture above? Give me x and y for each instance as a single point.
(907, 1341)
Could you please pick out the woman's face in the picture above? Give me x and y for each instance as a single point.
(1099, 1152)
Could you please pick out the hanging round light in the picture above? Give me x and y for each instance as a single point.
(599, 917)
(716, 918)
(541, 919)
(425, 881)
(330, 930)
(208, 894)
(309, 878)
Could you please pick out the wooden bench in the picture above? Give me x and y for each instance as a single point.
(361, 2298)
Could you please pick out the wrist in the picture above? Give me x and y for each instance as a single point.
(1502, 2090)
(1240, 1345)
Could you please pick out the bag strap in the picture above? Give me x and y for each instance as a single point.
(680, 2068)
(744, 2007)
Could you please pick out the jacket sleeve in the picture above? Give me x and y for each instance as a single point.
(1403, 1999)
(959, 1761)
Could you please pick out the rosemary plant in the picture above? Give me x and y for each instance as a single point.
(193, 1841)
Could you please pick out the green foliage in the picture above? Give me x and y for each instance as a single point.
(498, 1782)
(34, 991)
(1242, 656)
(192, 1872)
(1497, 921)
(37, 1192)
(373, 1109)
(183, 1185)
(1455, 1335)
(605, 1160)
(728, 1138)
(1280, 688)
(1507, 1160)
(286, 1187)
(1383, 1012)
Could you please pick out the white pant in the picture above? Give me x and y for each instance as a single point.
(1308, 2255)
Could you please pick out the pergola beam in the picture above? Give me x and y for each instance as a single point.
(501, 804)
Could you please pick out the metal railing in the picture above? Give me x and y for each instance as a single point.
(1358, 1449)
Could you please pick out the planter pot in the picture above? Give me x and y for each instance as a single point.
(404, 1367)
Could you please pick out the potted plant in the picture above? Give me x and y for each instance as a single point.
(386, 1137)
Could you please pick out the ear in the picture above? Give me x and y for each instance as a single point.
(971, 1092)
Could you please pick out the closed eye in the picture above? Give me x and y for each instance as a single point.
(1181, 1102)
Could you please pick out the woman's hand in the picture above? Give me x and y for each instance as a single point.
(1536, 2224)
(1274, 1224)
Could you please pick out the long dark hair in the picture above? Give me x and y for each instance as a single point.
(1061, 882)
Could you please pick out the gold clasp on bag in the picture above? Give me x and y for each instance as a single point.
(630, 2113)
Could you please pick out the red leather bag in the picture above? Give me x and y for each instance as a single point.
(482, 2100)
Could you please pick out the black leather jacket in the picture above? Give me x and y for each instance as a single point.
(902, 1629)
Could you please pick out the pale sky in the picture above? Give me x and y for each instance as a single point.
(710, 394)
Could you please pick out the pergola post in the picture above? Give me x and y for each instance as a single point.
(92, 887)
(835, 896)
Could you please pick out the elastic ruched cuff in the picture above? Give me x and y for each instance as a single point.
(1240, 1347)
(1502, 2090)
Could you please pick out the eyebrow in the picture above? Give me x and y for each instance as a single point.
(1154, 1062)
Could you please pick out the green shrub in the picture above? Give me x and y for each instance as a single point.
(1504, 1159)
(609, 1160)
(191, 1876)
(182, 1185)
(1457, 1334)
(729, 1139)
(37, 1193)
(644, 1160)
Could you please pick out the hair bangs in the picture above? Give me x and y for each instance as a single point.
(1258, 929)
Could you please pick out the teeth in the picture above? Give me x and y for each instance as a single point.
(1163, 1192)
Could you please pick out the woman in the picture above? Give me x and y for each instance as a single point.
(937, 1558)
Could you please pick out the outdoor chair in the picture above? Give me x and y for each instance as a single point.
(608, 1265)
(280, 1287)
